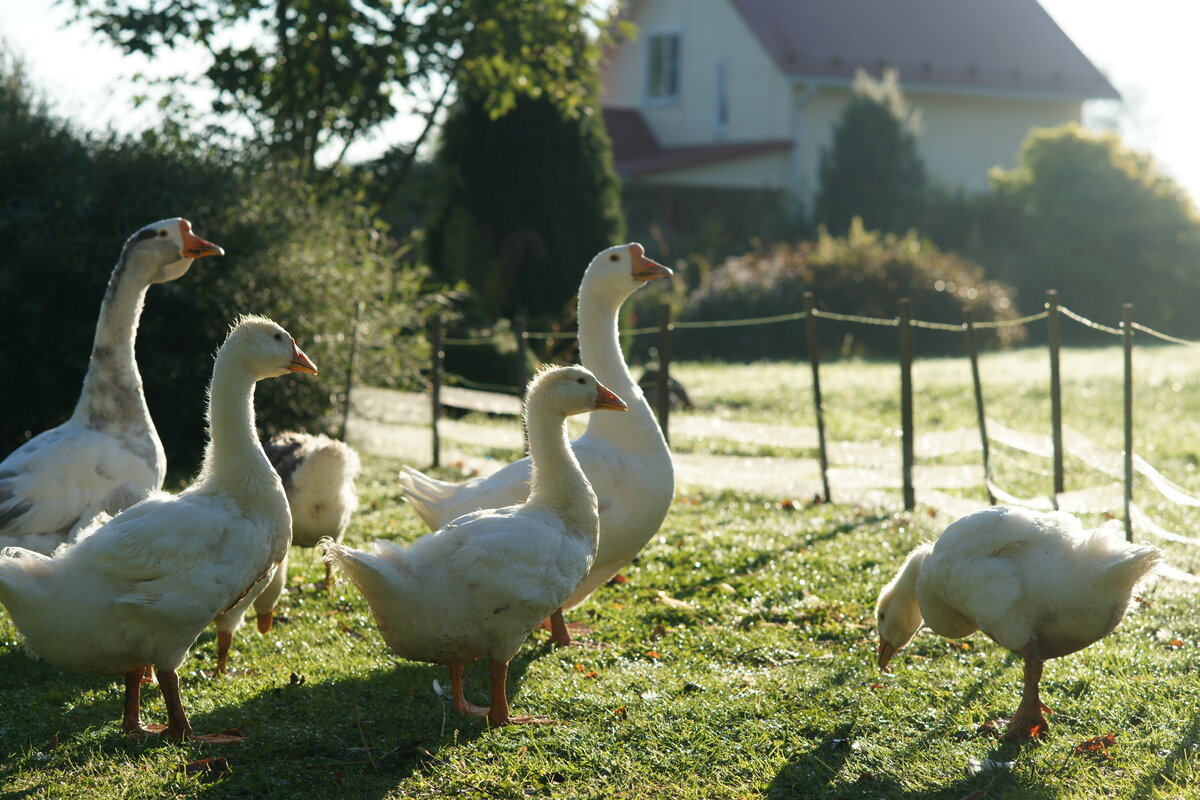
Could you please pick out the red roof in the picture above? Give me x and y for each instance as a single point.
(637, 152)
(1002, 44)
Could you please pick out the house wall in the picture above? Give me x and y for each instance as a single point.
(961, 137)
(711, 31)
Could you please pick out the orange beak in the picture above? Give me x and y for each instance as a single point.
(194, 246)
(886, 651)
(301, 362)
(605, 399)
(645, 269)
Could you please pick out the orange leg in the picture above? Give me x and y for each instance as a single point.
(132, 720)
(224, 642)
(558, 629)
(1029, 722)
(264, 621)
(498, 713)
(178, 728)
(460, 701)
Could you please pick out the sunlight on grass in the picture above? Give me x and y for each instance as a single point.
(736, 660)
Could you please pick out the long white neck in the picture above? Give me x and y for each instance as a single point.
(234, 460)
(558, 481)
(600, 351)
(112, 396)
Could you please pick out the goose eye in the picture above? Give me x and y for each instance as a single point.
(581, 381)
(162, 234)
(614, 257)
(279, 337)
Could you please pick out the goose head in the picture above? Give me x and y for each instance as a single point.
(264, 349)
(164, 250)
(897, 612)
(571, 390)
(622, 270)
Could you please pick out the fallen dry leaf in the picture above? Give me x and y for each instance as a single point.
(653, 654)
(671, 602)
(1097, 746)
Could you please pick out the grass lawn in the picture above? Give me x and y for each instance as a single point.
(737, 658)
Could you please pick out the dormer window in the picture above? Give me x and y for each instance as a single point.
(662, 67)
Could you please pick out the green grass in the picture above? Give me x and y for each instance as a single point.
(757, 682)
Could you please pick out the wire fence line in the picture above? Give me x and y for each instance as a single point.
(1055, 448)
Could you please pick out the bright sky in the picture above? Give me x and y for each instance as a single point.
(1145, 53)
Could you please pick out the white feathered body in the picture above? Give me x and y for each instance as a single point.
(1016, 574)
(633, 493)
(318, 475)
(474, 589)
(60, 479)
(139, 589)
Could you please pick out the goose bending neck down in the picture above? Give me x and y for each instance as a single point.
(1037, 584)
(107, 455)
(478, 586)
(624, 456)
(132, 593)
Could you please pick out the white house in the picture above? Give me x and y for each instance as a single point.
(743, 94)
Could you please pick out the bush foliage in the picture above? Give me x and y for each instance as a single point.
(304, 258)
(864, 273)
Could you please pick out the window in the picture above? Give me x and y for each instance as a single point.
(721, 100)
(662, 75)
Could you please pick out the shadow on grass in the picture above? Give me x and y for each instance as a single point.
(358, 736)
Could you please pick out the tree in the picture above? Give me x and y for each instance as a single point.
(319, 74)
(1086, 215)
(531, 198)
(872, 169)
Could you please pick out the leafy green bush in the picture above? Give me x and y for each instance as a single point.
(302, 257)
(862, 273)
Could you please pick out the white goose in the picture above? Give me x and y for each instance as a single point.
(1037, 584)
(135, 592)
(624, 456)
(107, 456)
(318, 476)
(478, 586)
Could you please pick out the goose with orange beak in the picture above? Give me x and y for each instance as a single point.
(107, 456)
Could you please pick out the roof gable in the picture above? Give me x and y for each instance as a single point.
(997, 44)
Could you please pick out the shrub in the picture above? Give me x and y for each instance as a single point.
(862, 273)
(68, 202)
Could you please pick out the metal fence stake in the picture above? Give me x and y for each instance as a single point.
(1127, 337)
(814, 358)
(664, 369)
(973, 354)
(906, 402)
(1055, 338)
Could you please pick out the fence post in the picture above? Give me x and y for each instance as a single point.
(1127, 326)
(973, 353)
(522, 352)
(435, 396)
(358, 310)
(906, 402)
(1055, 337)
(664, 369)
(814, 357)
